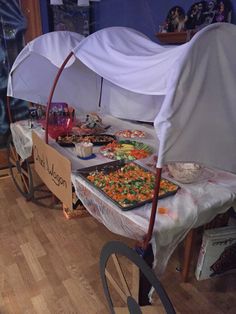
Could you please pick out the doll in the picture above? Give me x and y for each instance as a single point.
(175, 19)
(224, 11)
(196, 15)
(210, 12)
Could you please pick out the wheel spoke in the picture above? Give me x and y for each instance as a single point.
(25, 183)
(116, 286)
(15, 154)
(135, 282)
(16, 173)
(13, 151)
(25, 172)
(13, 161)
(21, 181)
(17, 158)
(121, 275)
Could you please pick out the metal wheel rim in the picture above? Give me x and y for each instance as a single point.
(115, 247)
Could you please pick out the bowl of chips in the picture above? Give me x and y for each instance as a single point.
(185, 172)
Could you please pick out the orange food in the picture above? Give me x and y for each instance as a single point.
(139, 154)
(162, 210)
(131, 185)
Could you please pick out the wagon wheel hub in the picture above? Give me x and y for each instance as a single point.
(18, 166)
(20, 171)
(133, 306)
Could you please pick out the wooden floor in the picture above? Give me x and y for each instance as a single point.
(50, 265)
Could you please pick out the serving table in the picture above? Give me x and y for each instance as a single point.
(193, 205)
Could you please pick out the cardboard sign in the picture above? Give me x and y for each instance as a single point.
(54, 169)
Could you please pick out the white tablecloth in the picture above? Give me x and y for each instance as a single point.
(193, 205)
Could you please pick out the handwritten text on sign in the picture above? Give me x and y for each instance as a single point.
(54, 170)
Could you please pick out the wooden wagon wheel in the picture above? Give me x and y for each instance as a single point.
(20, 171)
(121, 290)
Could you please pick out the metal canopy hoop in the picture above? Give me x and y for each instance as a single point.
(148, 237)
(52, 92)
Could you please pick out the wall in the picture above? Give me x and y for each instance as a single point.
(143, 15)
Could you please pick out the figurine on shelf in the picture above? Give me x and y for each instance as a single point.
(202, 7)
(32, 116)
(196, 15)
(175, 19)
(224, 11)
(210, 12)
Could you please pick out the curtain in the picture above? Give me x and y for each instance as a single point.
(12, 27)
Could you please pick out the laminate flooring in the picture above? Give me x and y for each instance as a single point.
(50, 265)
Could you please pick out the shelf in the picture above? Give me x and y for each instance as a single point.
(175, 37)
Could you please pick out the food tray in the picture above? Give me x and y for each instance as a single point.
(128, 150)
(112, 167)
(97, 140)
(89, 131)
(129, 134)
(66, 140)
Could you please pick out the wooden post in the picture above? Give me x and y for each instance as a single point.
(31, 10)
(188, 250)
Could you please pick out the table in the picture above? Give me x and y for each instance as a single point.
(192, 206)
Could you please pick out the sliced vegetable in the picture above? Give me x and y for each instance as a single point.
(125, 149)
(130, 184)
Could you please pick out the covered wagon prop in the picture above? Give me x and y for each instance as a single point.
(187, 91)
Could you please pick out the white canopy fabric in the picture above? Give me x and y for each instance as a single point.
(197, 121)
(135, 70)
(34, 70)
(188, 90)
(129, 59)
(113, 53)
